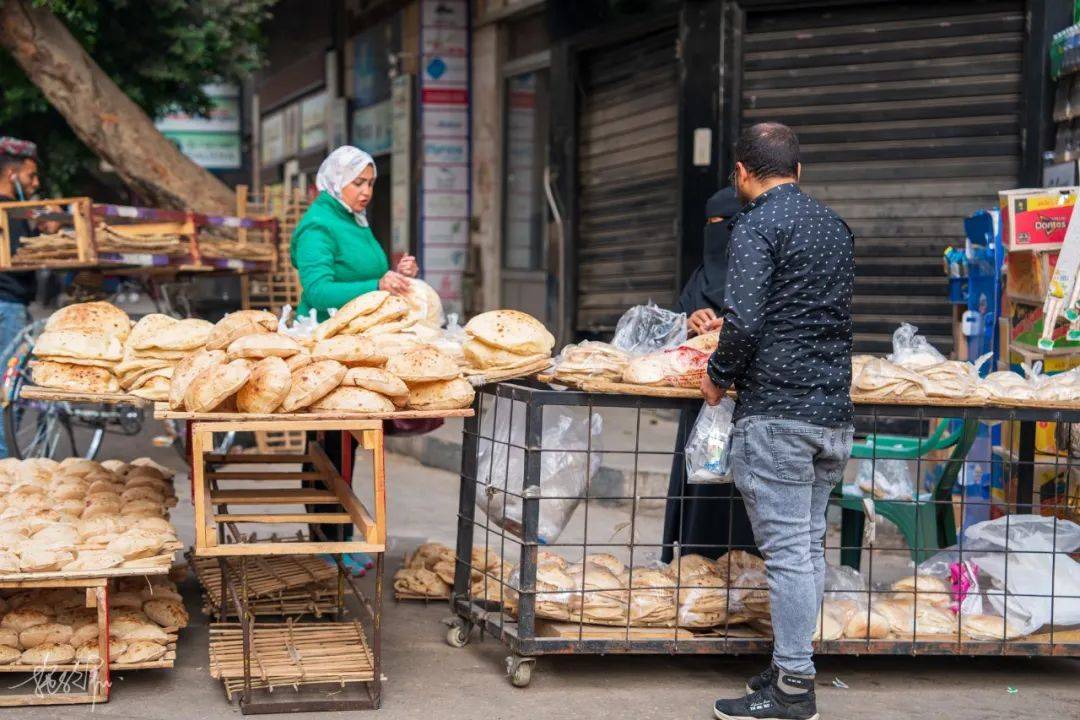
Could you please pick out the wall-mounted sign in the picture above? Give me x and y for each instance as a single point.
(373, 128)
(313, 123)
(272, 134)
(212, 141)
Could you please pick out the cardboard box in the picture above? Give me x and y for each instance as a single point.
(1036, 219)
(1029, 274)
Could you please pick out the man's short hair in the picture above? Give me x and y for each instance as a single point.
(768, 150)
(10, 164)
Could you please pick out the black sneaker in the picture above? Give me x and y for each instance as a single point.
(762, 680)
(771, 703)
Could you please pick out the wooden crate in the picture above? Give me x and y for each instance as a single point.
(81, 254)
(280, 585)
(218, 522)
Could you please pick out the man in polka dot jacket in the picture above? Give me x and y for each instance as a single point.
(786, 347)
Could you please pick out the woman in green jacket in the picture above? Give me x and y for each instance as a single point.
(333, 249)
(338, 258)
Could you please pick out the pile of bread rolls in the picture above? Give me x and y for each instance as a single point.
(81, 515)
(54, 627)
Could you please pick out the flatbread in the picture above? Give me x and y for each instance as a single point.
(187, 334)
(441, 395)
(312, 382)
(132, 365)
(147, 327)
(156, 389)
(97, 317)
(71, 343)
(352, 399)
(299, 360)
(423, 365)
(349, 349)
(392, 308)
(238, 324)
(144, 379)
(215, 384)
(261, 346)
(425, 305)
(74, 378)
(267, 387)
(376, 380)
(482, 356)
(187, 370)
(365, 304)
(511, 330)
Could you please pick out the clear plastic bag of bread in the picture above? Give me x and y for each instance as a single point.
(885, 479)
(708, 449)
(571, 455)
(911, 350)
(648, 328)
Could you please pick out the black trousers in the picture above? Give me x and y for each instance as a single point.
(707, 520)
(332, 445)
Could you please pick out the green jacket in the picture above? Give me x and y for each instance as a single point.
(337, 259)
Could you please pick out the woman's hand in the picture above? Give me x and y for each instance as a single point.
(700, 321)
(407, 266)
(394, 283)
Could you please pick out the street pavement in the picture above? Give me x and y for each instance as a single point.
(425, 678)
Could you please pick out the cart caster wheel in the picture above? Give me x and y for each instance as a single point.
(520, 670)
(458, 635)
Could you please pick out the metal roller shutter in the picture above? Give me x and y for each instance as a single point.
(627, 158)
(909, 120)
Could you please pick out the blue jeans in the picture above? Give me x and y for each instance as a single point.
(785, 470)
(13, 318)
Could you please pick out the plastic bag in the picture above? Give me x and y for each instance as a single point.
(648, 328)
(564, 475)
(912, 350)
(885, 479)
(844, 583)
(708, 449)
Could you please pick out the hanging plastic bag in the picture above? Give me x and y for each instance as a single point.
(885, 479)
(708, 449)
(911, 350)
(569, 459)
(648, 328)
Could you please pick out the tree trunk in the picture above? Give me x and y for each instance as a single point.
(102, 116)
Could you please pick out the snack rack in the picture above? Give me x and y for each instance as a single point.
(514, 616)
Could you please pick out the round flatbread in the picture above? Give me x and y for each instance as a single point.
(423, 365)
(166, 612)
(267, 387)
(92, 317)
(441, 395)
(238, 324)
(74, 344)
(511, 330)
(156, 389)
(74, 378)
(187, 334)
(260, 346)
(188, 369)
(299, 360)
(139, 651)
(349, 349)
(312, 382)
(147, 327)
(392, 308)
(376, 380)
(214, 385)
(425, 305)
(48, 654)
(482, 356)
(352, 399)
(365, 304)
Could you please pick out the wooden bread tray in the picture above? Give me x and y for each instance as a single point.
(33, 392)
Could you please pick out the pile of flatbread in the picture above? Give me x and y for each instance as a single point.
(245, 366)
(590, 360)
(153, 351)
(505, 340)
(429, 573)
(393, 322)
(80, 348)
(127, 239)
(80, 515)
(683, 366)
(877, 378)
(60, 245)
(55, 627)
(219, 243)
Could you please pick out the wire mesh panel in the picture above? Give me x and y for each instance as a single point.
(578, 532)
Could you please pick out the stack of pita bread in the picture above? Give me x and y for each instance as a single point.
(55, 627)
(504, 341)
(80, 515)
(244, 366)
(683, 366)
(877, 378)
(394, 322)
(153, 350)
(80, 348)
(590, 361)
(429, 573)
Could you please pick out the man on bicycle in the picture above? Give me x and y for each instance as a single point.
(18, 181)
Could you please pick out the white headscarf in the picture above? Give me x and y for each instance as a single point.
(339, 169)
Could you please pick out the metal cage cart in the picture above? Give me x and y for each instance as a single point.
(571, 559)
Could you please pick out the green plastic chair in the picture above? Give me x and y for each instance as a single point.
(927, 525)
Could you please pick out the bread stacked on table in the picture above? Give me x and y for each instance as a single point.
(683, 366)
(80, 348)
(154, 349)
(54, 627)
(590, 361)
(246, 366)
(505, 340)
(83, 516)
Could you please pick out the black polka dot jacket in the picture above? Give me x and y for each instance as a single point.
(786, 339)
